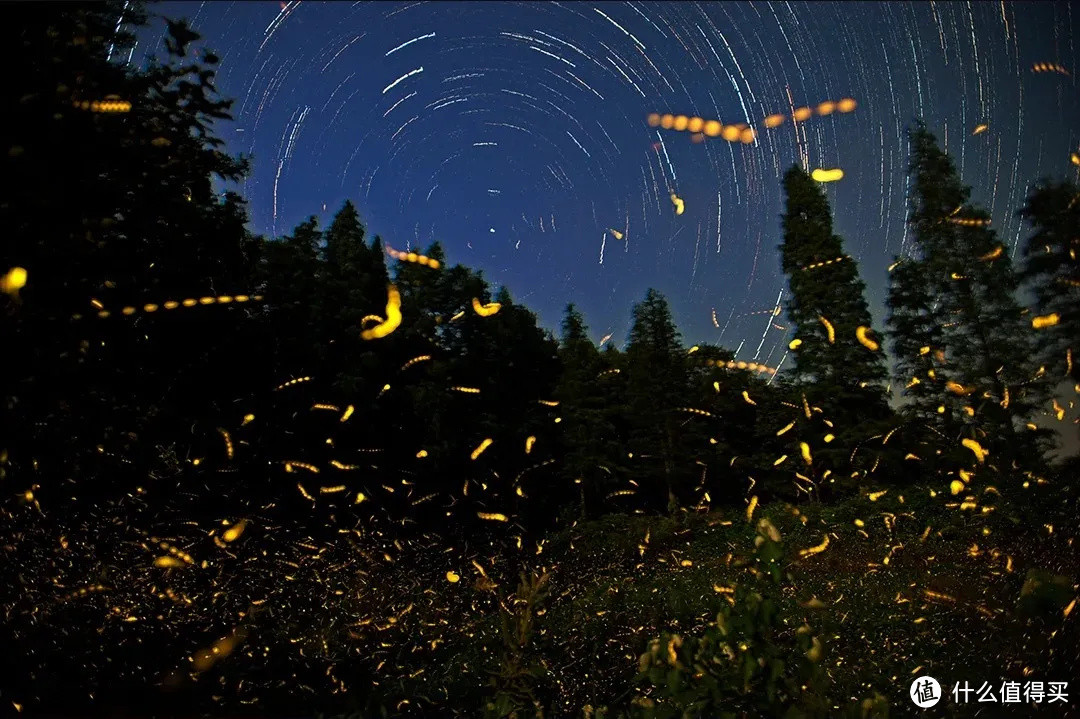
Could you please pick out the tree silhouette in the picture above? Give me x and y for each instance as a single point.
(590, 443)
(657, 386)
(955, 307)
(837, 373)
(1053, 269)
(142, 226)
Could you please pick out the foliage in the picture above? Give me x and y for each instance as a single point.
(834, 371)
(747, 661)
(590, 447)
(140, 223)
(833, 292)
(956, 304)
(656, 386)
(1052, 272)
(519, 674)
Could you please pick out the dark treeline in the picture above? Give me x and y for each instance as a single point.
(170, 369)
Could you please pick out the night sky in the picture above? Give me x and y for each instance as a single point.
(516, 134)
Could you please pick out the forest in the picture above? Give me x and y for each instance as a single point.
(327, 474)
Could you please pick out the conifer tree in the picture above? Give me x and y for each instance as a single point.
(422, 288)
(292, 274)
(657, 385)
(825, 284)
(356, 271)
(1053, 271)
(917, 330)
(356, 281)
(827, 308)
(589, 441)
(959, 331)
(345, 245)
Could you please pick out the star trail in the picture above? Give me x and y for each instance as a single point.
(273, 450)
(517, 134)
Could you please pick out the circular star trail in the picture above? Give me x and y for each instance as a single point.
(516, 134)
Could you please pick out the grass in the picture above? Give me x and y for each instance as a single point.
(915, 581)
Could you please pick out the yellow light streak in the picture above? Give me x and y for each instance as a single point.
(863, 335)
(828, 329)
(481, 447)
(393, 317)
(822, 175)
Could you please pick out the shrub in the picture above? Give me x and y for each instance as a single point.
(756, 659)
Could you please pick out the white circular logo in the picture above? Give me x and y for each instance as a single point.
(925, 692)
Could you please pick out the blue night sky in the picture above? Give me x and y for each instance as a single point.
(516, 134)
